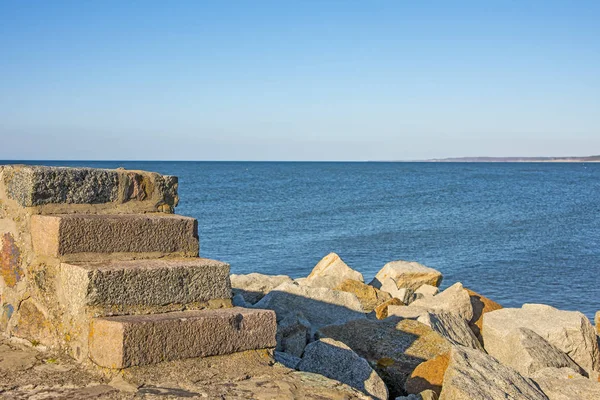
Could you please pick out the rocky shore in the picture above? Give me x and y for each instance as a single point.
(399, 337)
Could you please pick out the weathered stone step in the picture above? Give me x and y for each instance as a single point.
(145, 283)
(125, 341)
(89, 237)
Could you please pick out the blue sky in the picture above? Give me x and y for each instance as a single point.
(291, 80)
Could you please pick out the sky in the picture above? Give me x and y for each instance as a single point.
(298, 80)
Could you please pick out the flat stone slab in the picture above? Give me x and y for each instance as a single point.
(125, 341)
(144, 282)
(32, 186)
(84, 237)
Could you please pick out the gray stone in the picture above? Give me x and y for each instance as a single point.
(255, 286)
(320, 306)
(132, 340)
(472, 374)
(85, 237)
(293, 333)
(407, 274)
(455, 300)
(239, 301)
(407, 312)
(402, 294)
(287, 360)
(566, 384)
(143, 282)
(337, 361)
(570, 331)
(451, 327)
(527, 352)
(331, 271)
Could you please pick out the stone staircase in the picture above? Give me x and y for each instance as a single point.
(94, 262)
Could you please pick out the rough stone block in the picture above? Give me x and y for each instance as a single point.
(32, 186)
(87, 237)
(143, 282)
(119, 342)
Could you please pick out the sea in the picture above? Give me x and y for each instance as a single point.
(514, 232)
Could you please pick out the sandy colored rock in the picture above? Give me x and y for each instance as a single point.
(569, 331)
(403, 294)
(597, 323)
(427, 290)
(566, 384)
(527, 352)
(472, 374)
(143, 282)
(255, 286)
(335, 360)
(407, 312)
(455, 300)
(481, 305)
(381, 311)
(453, 328)
(320, 306)
(331, 271)
(89, 237)
(368, 296)
(429, 375)
(119, 342)
(394, 347)
(407, 274)
(33, 324)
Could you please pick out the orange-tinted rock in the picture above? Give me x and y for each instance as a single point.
(428, 375)
(368, 296)
(381, 311)
(10, 260)
(481, 305)
(33, 325)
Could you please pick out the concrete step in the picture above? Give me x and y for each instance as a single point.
(125, 341)
(142, 283)
(90, 237)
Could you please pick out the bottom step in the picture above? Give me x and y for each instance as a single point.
(126, 341)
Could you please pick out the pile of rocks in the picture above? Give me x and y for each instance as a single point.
(400, 337)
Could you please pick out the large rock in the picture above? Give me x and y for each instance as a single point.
(481, 305)
(331, 271)
(255, 286)
(566, 384)
(368, 296)
(569, 331)
(394, 347)
(429, 375)
(527, 352)
(455, 300)
(404, 294)
(293, 333)
(427, 290)
(320, 306)
(472, 374)
(337, 361)
(381, 311)
(453, 328)
(408, 274)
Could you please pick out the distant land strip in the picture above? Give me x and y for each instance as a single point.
(518, 159)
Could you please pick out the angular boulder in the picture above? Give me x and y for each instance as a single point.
(472, 374)
(293, 333)
(393, 346)
(427, 290)
(368, 296)
(320, 306)
(527, 352)
(389, 286)
(569, 331)
(481, 305)
(331, 271)
(255, 286)
(429, 375)
(566, 384)
(455, 300)
(381, 311)
(407, 274)
(453, 328)
(337, 361)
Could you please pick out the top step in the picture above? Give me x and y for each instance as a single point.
(60, 190)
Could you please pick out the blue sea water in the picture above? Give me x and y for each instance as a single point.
(515, 232)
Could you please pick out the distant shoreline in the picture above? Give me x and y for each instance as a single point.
(518, 159)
